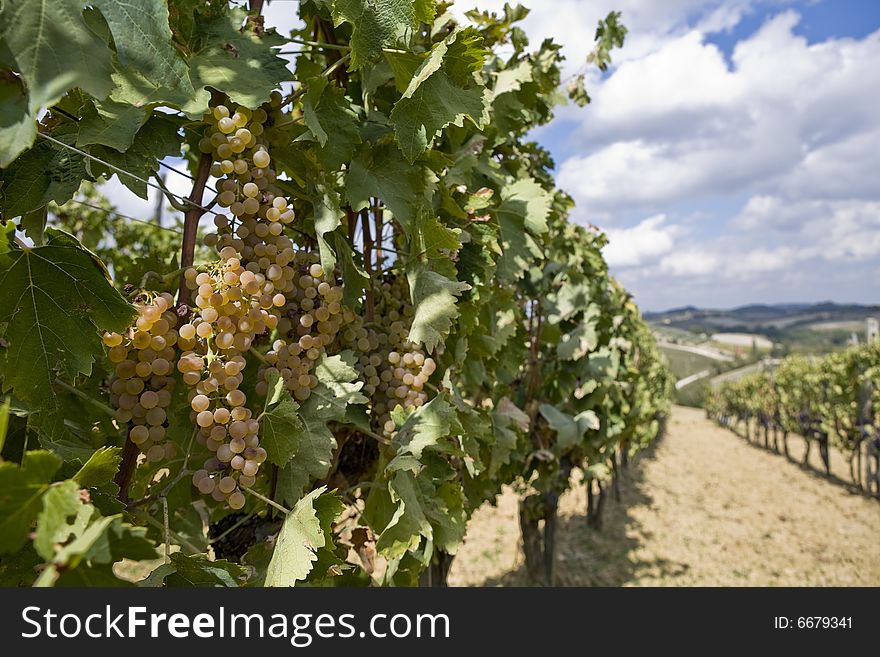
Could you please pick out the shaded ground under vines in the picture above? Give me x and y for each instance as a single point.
(700, 508)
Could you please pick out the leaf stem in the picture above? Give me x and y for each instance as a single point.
(79, 393)
(321, 44)
(177, 537)
(375, 436)
(265, 499)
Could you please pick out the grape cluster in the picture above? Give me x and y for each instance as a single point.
(262, 282)
(231, 312)
(306, 301)
(143, 375)
(395, 370)
(311, 319)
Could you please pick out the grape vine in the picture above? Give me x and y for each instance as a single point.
(374, 314)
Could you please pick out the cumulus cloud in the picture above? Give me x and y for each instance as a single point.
(784, 115)
(641, 244)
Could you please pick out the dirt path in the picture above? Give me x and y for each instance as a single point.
(702, 508)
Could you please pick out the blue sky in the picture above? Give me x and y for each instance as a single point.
(732, 152)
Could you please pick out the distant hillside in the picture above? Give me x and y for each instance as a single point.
(798, 326)
(761, 318)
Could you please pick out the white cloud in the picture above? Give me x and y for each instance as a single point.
(641, 244)
(689, 262)
(679, 122)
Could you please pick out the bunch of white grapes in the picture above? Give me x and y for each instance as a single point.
(395, 370)
(306, 301)
(230, 312)
(143, 380)
(311, 319)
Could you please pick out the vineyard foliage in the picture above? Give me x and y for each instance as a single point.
(834, 399)
(384, 317)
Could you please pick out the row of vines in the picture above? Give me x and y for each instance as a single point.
(832, 401)
(373, 314)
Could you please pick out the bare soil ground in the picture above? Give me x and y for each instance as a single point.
(701, 508)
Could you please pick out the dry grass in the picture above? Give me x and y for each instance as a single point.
(703, 508)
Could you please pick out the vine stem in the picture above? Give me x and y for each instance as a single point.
(265, 499)
(162, 494)
(167, 528)
(327, 72)
(177, 537)
(226, 533)
(369, 301)
(191, 226)
(320, 44)
(375, 436)
(79, 393)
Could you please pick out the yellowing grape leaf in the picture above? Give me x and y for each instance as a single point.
(298, 541)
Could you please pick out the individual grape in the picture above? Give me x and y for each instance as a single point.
(261, 159)
(139, 434)
(227, 484)
(236, 500)
(200, 403)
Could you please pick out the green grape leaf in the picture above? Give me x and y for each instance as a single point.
(583, 338)
(156, 140)
(379, 170)
(109, 123)
(196, 570)
(21, 493)
(47, 172)
(433, 241)
(376, 25)
(328, 508)
(415, 506)
(569, 430)
(423, 429)
(101, 467)
(448, 516)
(329, 114)
(327, 217)
(337, 389)
(97, 541)
(54, 51)
(527, 199)
(407, 522)
(568, 300)
(508, 423)
(237, 61)
(19, 568)
(300, 537)
(433, 298)
(34, 224)
(442, 92)
(53, 301)
(520, 248)
(356, 279)
(281, 429)
(144, 44)
(512, 78)
(18, 127)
